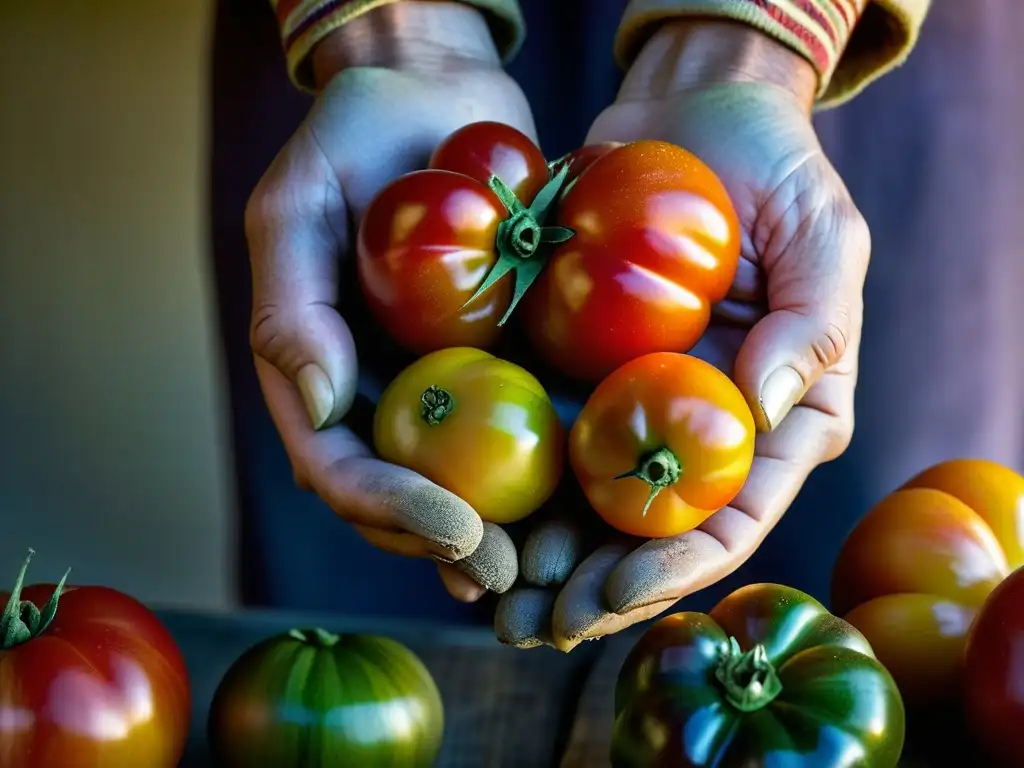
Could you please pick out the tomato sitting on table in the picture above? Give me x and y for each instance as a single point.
(657, 243)
(768, 678)
(481, 427)
(915, 570)
(994, 674)
(313, 699)
(661, 444)
(89, 678)
(430, 239)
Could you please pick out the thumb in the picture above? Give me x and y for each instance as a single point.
(296, 226)
(815, 304)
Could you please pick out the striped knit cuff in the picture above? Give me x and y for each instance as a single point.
(816, 29)
(304, 23)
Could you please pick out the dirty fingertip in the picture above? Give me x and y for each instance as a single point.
(494, 563)
(523, 618)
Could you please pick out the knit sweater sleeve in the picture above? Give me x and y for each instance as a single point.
(304, 23)
(850, 43)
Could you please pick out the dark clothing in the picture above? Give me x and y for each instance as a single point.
(932, 156)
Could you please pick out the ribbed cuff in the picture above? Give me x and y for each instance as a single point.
(304, 23)
(882, 40)
(847, 45)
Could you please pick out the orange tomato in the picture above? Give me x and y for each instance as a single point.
(915, 571)
(481, 427)
(656, 244)
(663, 443)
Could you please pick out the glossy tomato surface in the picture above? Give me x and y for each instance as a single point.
(669, 415)
(428, 240)
(913, 573)
(311, 699)
(481, 427)
(994, 673)
(657, 243)
(768, 678)
(581, 159)
(103, 686)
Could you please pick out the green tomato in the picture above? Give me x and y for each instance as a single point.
(768, 678)
(309, 698)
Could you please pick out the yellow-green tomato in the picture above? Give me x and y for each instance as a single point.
(481, 427)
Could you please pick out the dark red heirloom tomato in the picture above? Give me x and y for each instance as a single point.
(94, 682)
(431, 238)
(657, 243)
(994, 673)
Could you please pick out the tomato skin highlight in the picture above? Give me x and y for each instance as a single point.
(310, 699)
(103, 685)
(822, 697)
(914, 572)
(994, 677)
(500, 447)
(427, 241)
(663, 400)
(657, 243)
(484, 149)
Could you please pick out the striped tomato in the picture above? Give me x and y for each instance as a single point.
(311, 698)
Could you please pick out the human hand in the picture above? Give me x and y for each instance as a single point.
(788, 333)
(391, 85)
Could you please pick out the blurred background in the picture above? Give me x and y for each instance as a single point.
(114, 454)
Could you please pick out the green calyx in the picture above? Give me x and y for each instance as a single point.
(321, 638)
(659, 469)
(748, 679)
(23, 620)
(523, 236)
(435, 405)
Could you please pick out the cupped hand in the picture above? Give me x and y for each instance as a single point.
(392, 85)
(788, 333)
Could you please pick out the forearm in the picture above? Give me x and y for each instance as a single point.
(688, 53)
(425, 35)
(304, 25)
(847, 43)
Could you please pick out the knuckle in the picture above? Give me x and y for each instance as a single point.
(265, 332)
(833, 342)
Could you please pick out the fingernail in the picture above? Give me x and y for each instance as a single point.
(781, 390)
(317, 394)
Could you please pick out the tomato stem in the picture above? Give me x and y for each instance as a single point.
(659, 469)
(435, 405)
(749, 679)
(315, 636)
(22, 620)
(522, 236)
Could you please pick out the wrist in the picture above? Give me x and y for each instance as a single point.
(687, 54)
(411, 34)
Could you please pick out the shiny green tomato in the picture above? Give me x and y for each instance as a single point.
(768, 679)
(311, 699)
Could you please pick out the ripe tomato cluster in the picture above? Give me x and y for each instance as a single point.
(607, 262)
(933, 577)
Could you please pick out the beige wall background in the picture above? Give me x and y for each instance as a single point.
(114, 458)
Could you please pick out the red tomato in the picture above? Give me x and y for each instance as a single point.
(102, 685)
(994, 679)
(429, 239)
(662, 444)
(583, 158)
(656, 243)
(913, 573)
